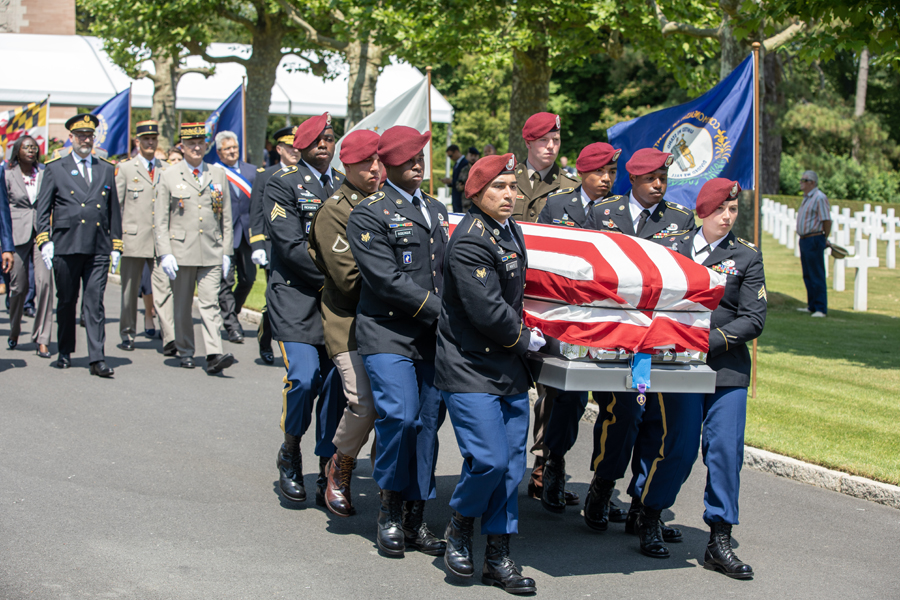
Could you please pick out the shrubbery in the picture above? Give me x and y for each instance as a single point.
(841, 177)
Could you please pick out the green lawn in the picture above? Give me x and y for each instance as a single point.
(828, 390)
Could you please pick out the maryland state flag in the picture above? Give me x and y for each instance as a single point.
(30, 119)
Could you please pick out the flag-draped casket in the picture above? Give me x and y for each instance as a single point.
(609, 290)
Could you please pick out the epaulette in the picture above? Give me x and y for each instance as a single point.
(678, 207)
(216, 165)
(106, 159)
(260, 170)
(53, 159)
(338, 171)
(375, 198)
(610, 199)
(287, 171)
(748, 244)
(476, 223)
(562, 191)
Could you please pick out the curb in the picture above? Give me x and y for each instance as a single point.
(754, 458)
(802, 472)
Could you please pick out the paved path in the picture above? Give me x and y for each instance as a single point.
(161, 484)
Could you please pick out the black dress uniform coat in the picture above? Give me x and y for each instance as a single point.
(614, 214)
(400, 258)
(482, 339)
(741, 314)
(565, 208)
(86, 218)
(530, 200)
(259, 231)
(290, 202)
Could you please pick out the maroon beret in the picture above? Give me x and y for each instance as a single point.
(539, 125)
(647, 160)
(487, 169)
(309, 130)
(400, 143)
(358, 146)
(595, 156)
(713, 193)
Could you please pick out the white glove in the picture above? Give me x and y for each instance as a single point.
(259, 258)
(226, 264)
(169, 265)
(47, 255)
(114, 259)
(537, 340)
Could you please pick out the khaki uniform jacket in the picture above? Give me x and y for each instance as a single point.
(137, 196)
(530, 202)
(190, 216)
(330, 250)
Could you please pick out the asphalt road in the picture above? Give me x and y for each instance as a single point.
(161, 483)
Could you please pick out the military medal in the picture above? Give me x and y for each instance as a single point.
(641, 399)
(606, 212)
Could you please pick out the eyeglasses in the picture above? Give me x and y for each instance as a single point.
(29, 148)
(83, 136)
(807, 181)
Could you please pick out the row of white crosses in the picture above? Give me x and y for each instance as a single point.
(859, 233)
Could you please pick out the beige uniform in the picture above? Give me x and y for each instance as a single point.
(193, 223)
(137, 198)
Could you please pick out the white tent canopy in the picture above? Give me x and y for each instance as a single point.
(74, 70)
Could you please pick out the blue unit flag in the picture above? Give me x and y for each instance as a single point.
(115, 119)
(228, 117)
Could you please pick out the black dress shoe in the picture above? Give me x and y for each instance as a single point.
(553, 496)
(187, 362)
(29, 312)
(616, 513)
(721, 557)
(500, 570)
(63, 362)
(458, 556)
(170, 349)
(235, 337)
(127, 345)
(290, 469)
(150, 333)
(390, 538)
(650, 535)
(101, 369)
(596, 505)
(12, 343)
(322, 482)
(536, 485)
(267, 356)
(417, 536)
(669, 534)
(42, 354)
(216, 362)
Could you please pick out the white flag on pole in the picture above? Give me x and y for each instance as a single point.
(409, 109)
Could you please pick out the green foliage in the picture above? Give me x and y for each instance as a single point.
(841, 177)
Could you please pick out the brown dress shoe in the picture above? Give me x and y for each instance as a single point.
(338, 472)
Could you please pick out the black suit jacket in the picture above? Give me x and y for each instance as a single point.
(86, 218)
(259, 230)
(400, 259)
(455, 195)
(669, 218)
(741, 314)
(482, 339)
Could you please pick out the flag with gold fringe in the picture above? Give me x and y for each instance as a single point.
(31, 119)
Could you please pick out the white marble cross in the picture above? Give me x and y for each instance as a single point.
(890, 236)
(861, 262)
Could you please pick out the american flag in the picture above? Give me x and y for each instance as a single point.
(609, 290)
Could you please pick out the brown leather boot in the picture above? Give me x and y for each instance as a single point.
(337, 490)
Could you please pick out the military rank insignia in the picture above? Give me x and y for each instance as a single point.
(278, 211)
(365, 238)
(481, 274)
(762, 294)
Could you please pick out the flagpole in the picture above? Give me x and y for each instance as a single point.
(244, 118)
(128, 152)
(430, 140)
(756, 181)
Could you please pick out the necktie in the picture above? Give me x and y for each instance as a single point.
(587, 209)
(642, 220)
(86, 170)
(151, 169)
(535, 179)
(326, 184)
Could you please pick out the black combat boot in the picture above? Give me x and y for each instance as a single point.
(290, 469)
(553, 496)
(416, 534)
(670, 535)
(500, 570)
(458, 557)
(596, 505)
(650, 534)
(390, 528)
(721, 557)
(321, 482)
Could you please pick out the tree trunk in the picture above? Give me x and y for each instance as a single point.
(862, 83)
(733, 52)
(364, 59)
(261, 68)
(165, 83)
(530, 93)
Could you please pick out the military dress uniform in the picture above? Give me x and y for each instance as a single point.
(293, 295)
(86, 228)
(614, 216)
(193, 224)
(136, 188)
(259, 240)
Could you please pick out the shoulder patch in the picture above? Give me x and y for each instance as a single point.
(678, 207)
(103, 158)
(375, 198)
(260, 170)
(287, 171)
(750, 245)
(562, 191)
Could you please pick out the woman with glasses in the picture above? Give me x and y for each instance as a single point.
(23, 179)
